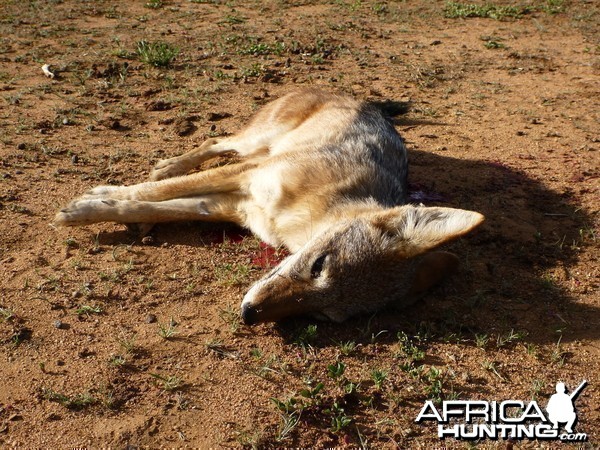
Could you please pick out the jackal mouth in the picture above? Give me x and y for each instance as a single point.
(250, 314)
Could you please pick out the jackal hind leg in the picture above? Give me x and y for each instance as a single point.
(210, 207)
(127, 204)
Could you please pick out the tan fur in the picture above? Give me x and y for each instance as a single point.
(323, 175)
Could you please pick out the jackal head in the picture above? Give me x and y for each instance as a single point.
(361, 264)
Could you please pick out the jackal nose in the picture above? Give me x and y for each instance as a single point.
(249, 314)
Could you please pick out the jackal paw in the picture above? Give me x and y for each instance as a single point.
(167, 168)
(83, 212)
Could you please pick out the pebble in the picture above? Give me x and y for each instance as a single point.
(58, 324)
(74, 159)
(150, 318)
(147, 240)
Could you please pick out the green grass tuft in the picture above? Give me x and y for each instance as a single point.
(455, 10)
(157, 54)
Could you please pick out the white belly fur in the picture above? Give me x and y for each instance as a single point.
(260, 209)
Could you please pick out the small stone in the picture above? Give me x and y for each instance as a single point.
(74, 159)
(65, 121)
(58, 324)
(147, 240)
(150, 318)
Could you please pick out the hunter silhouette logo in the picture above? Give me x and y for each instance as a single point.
(509, 419)
(560, 407)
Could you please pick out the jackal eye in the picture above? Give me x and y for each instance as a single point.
(317, 267)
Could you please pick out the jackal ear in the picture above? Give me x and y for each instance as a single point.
(416, 229)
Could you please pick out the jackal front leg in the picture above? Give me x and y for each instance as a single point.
(248, 144)
(181, 165)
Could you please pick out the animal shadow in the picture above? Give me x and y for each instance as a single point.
(506, 281)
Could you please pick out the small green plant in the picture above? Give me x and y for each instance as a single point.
(233, 19)
(71, 243)
(553, 6)
(492, 45)
(531, 349)
(435, 386)
(157, 54)
(351, 388)
(481, 340)
(167, 331)
(491, 366)
(536, 387)
(312, 393)
(217, 346)
(231, 317)
(407, 349)
(379, 376)
(255, 70)
(339, 419)
(336, 370)
(168, 382)
(88, 310)
(511, 337)
(232, 274)
(127, 342)
(307, 336)
(6, 314)
(117, 360)
(290, 411)
(558, 355)
(347, 348)
(455, 10)
(265, 367)
(75, 402)
(154, 4)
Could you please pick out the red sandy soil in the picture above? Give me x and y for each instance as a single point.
(107, 340)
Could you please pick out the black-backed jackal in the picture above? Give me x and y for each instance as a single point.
(323, 175)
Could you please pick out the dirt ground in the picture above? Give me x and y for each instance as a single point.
(108, 340)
